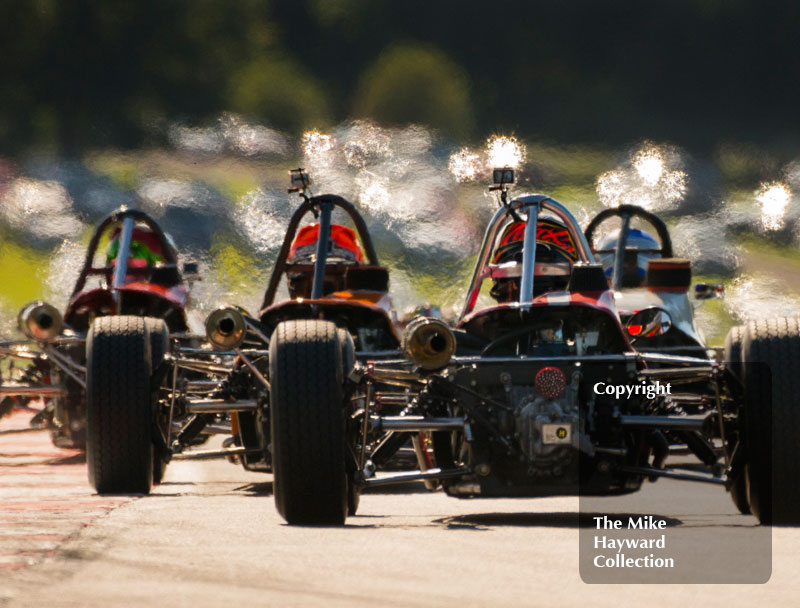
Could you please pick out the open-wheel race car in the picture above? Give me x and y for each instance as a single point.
(643, 273)
(521, 398)
(232, 382)
(130, 269)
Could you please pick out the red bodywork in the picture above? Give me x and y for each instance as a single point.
(152, 290)
(600, 301)
(100, 302)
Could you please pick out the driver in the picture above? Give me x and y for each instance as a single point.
(344, 249)
(640, 248)
(554, 245)
(145, 249)
(146, 252)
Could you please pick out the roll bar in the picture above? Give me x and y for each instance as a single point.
(532, 206)
(626, 213)
(323, 204)
(128, 219)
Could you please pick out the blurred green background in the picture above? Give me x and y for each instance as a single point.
(84, 73)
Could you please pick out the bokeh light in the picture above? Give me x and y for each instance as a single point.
(774, 199)
(504, 151)
(652, 179)
(465, 165)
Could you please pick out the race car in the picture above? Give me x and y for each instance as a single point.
(643, 273)
(332, 272)
(516, 394)
(131, 268)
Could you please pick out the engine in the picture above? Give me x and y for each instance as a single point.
(548, 425)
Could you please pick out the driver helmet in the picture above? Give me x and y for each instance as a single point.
(145, 250)
(344, 249)
(635, 263)
(344, 245)
(554, 244)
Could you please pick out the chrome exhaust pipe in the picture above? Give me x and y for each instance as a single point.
(226, 328)
(40, 321)
(429, 343)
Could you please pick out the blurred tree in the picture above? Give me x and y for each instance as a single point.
(418, 84)
(84, 73)
(330, 13)
(281, 91)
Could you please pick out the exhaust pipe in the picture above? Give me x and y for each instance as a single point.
(40, 321)
(429, 343)
(226, 328)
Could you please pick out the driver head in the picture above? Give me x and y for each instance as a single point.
(344, 249)
(145, 249)
(640, 247)
(554, 244)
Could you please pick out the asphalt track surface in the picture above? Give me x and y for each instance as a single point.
(210, 536)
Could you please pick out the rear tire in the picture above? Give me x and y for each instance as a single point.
(770, 355)
(348, 362)
(159, 340)
(353, 495)
(733, 349)
(159, 343)
(733, 359)
(118, 399)
(307, 416)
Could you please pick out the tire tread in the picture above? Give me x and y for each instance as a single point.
(771, 355)
(307, 422)
(119, 446)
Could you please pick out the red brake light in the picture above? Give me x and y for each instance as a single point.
(550, 382)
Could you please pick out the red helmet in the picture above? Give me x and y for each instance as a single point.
(343, 243)
(553, 243)
(344, 248)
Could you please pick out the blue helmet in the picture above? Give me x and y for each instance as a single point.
(638, 240)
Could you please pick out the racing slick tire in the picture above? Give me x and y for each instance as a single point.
(733, 359)
(353, 495)
(118, 400)
(307, 415)
(159, 342)
(349, 361)
(770, 355)
(733, 349)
